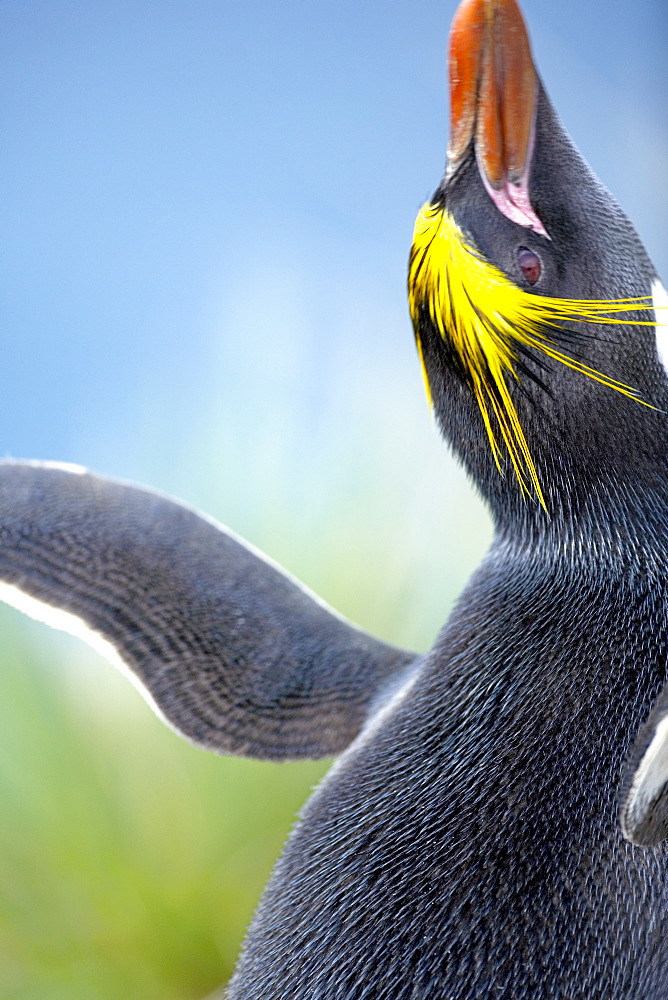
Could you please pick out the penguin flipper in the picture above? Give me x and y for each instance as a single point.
(644, 799)
(230, 651)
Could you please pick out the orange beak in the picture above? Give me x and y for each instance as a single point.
(493, 99)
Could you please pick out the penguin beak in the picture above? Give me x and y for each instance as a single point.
(493, 101)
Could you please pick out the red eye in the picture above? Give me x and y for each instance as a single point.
(530, 264)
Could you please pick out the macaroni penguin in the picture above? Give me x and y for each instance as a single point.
(494, 823)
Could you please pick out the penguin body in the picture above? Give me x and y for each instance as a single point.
(494, 825)
(470, 846)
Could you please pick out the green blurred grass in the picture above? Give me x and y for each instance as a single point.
(130, 862)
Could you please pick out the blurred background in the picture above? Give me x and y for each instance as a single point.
(207, 208)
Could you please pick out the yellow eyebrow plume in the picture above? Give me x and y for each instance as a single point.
(486, 318)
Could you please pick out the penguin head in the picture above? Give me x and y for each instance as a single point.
(530, 292)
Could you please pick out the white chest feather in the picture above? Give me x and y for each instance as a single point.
(660, 304)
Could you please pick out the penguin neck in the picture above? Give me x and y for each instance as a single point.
(612, 529)
(603, 471)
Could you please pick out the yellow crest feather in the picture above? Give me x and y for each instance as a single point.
(486, 317)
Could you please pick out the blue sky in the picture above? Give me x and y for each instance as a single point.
(207, 209)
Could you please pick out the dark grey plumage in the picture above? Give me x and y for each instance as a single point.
(234, 654)
(471, 847)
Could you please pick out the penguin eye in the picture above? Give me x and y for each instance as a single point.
(530, 264)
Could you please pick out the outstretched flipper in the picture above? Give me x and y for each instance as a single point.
(232, 652)
(644, 808)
